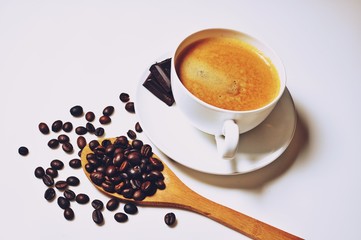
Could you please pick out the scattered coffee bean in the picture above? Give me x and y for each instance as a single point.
(112, 204)
(81, 130)
(57, 164)
(48, 180)
(130, 208)
(75, 163)
(69, 194)
(52, 172)
(81, 142)
(76, 111)
(73, 181)
(49, 194)
(57, 126)
(69, 214)
(146, 150)
(108, 110)
(62, 138)
(97, 216)
(90, 127)
(138, 128)
(63, 202)
(97, 204)
(90, 116)
(53, 143)
(99, 132)
(67, 147)
(124, 97)
(120, 217)
(61, 185)
(67, 127)
(39, 172)
(129, 106)
(131, 134)
(23, 151)
(170, 219)
(82, 198)
(43, 128)
(105, 119)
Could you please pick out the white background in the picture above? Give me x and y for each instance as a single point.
(56, 54)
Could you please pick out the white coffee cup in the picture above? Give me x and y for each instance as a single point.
(225, 125)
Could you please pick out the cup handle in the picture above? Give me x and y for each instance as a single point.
(227, 143)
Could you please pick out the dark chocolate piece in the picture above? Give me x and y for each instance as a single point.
(154, 87)
(161, 75)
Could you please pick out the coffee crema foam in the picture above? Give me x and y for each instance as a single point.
(228, 73)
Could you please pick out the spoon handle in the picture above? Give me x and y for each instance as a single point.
(237, 221)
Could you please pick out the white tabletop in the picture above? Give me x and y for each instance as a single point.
(57, 54)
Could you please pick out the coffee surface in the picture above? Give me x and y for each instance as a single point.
(228, 73)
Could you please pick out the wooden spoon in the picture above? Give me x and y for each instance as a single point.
(178, 195)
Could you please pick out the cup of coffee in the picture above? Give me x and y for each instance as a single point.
(226, 83)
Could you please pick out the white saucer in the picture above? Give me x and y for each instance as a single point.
(169, 131)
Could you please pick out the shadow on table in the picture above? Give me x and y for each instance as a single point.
(257, 179)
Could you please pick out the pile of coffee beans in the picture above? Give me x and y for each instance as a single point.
(126, 166)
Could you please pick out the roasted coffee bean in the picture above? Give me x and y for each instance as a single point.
(130, 208)
(120, 217)
(139, 195)
(57, 126)
(146, 150)
(160, 184)
(39, 172)
(43, 128)
(76, 111)
(138, 128)
(137, 144)
(23, 151)
(57, 164)
(112, 204)
(108, 186)
(81, 142)
(67, 147)
(53, 143)
(52, 172)
(75, 163)
(97, 204)
(106, 142)
(111, 170)
(67, 127)
(105, 119)
(108, 110)
(119, 187)
(156, 164)
(82, 198)
(49, 194)
(73, 181)
(63, 202)
(81, 130)
(90, 116)
(90, 127)
(134, 158)
(97, 216)
(48, 180)
(93, 144)
(69, 214)
(89, 168)
(99, 132)
(124, 97)
(131, 134)
(170, 219)
(62, 138)
(127, 192)
(61, 185)
(148, 188)
(129, 106)
(69, 194)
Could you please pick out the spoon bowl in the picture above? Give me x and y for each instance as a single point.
(177, 195)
